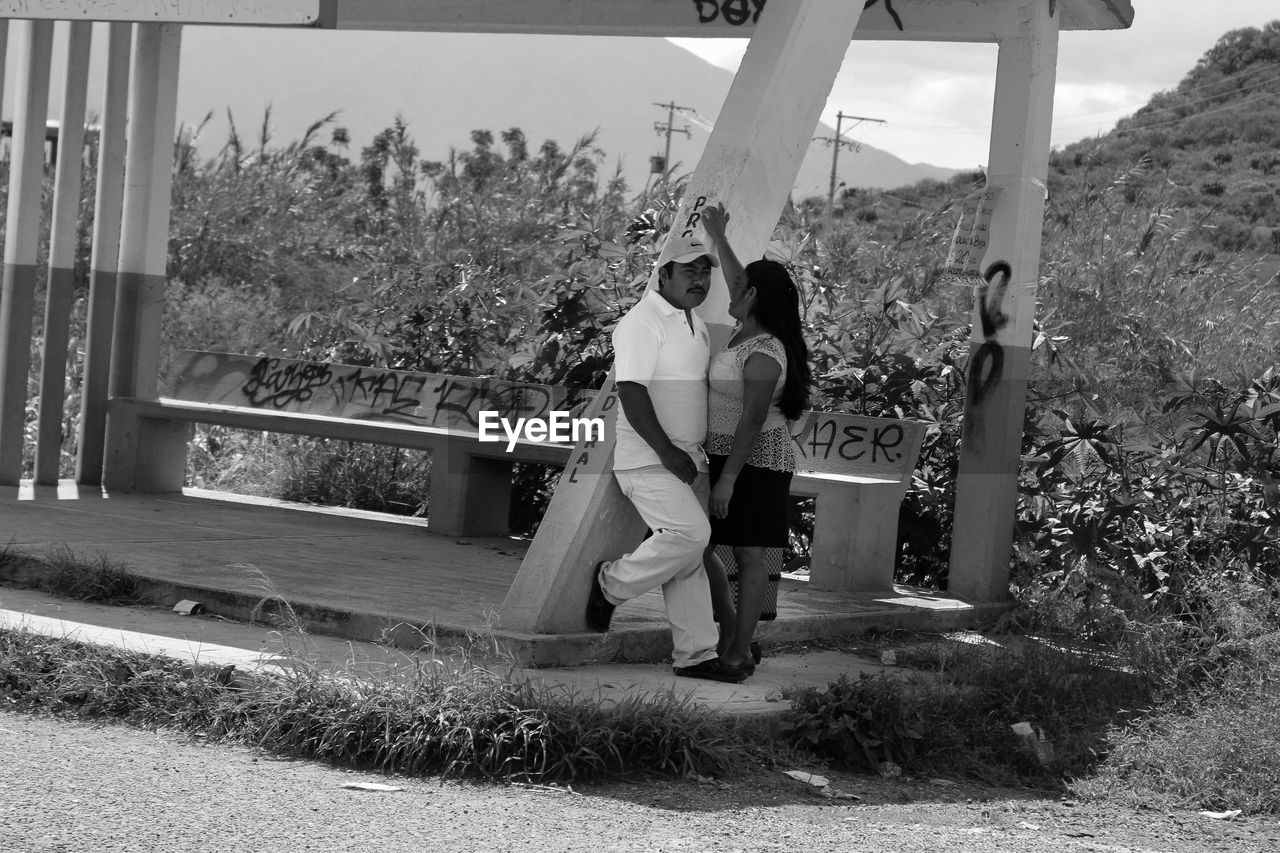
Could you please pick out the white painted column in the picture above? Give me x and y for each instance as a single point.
(144, 231)
(22, 234)
(750, 163)
(104, 264)
(62, 254)
(4, 55)
(1004, 309)
(144, 242)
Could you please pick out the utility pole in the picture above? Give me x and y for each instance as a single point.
(668, 128)
(836, 142)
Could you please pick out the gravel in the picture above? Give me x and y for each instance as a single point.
(69, 785)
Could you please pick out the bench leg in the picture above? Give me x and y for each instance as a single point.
(855, 537)
(470, 495)
(145, 455)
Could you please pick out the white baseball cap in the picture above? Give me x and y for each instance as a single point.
(684, 250)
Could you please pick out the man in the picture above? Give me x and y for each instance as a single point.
(661, 351)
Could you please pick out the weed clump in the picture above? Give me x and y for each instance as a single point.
(63, 573)
(446, 715)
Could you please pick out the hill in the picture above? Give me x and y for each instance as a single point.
(446, 85)
(1210, 147)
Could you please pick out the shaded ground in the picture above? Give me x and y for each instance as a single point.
(67, 785)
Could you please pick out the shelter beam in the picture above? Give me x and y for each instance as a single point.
(60, 291)
(21, 245)
(105, 261)
(1004, 311)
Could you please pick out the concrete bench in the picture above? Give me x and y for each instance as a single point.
(470, 478)
(857, 468)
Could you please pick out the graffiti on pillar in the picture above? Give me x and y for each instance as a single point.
(589, 455)
(734, 12)
(694, 216)
(986, 365)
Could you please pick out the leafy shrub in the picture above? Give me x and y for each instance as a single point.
(864, 723)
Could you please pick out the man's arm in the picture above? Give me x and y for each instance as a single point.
(638, 407)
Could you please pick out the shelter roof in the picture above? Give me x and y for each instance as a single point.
(907, 20)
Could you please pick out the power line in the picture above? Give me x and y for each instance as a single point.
(1176, 121)
(1184, 103)
(668, 127)
(837, 142)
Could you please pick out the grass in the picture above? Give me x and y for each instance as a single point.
(1219, 752)
(1119, 728)
(445, 713)
(950, 710)
(64, 573)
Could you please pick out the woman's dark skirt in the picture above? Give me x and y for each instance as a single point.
(758, 518)
(758, 510)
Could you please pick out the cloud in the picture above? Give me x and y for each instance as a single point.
(937, 97)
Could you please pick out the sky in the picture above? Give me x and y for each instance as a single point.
(935, 98)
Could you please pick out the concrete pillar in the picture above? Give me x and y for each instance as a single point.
(22, 234)
(144, 230)
(106, 257)
(4, 55)
(62, 254)
(750, 163)
(1004, 309)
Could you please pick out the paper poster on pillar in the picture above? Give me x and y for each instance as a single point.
(971, 237)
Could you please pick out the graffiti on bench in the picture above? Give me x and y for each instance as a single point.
(365, 393)
(854, 445)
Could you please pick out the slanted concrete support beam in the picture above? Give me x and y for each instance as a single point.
(750, 163)
(104, 264)
(1004, 310)
(22, 234)
(60, 291)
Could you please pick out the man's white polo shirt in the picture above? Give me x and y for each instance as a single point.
(654, 346)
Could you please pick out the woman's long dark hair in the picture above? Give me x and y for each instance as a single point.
(777, 310)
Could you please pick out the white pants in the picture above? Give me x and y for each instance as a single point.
(676, 512)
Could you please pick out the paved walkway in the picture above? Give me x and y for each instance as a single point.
(363, 576)
(212, 640)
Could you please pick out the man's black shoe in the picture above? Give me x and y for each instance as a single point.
(599, 608)
(714, 670)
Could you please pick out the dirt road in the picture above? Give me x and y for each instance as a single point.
(76, 787)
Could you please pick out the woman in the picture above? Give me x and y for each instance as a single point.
(759, 385)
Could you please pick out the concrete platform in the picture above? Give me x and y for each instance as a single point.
(216, 641)
(370, 577)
